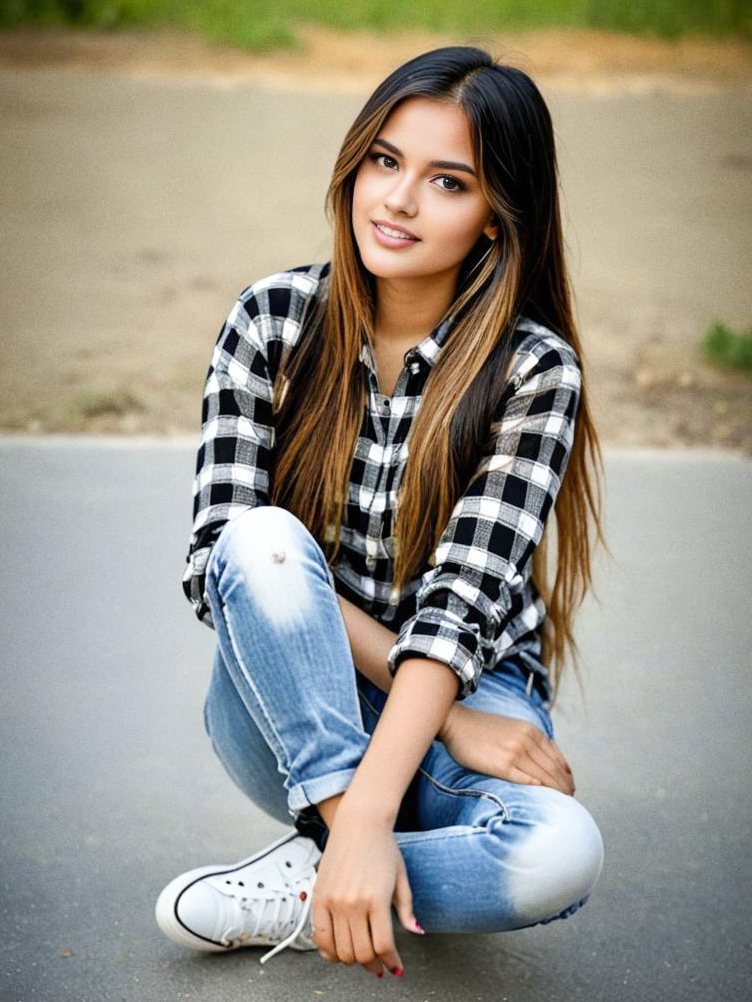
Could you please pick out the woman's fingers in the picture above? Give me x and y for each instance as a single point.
(352, 916)
(536, 737)
(323, 934)
(539, 765)
(343, 940)
(364, 951)
(382, 936)
(403, 900)
(350, 939)
(549, 748)
(556, 752)
(548, 758)
(516, 775)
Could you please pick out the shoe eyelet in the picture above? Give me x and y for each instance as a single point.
(260, 884)
(241, 884)
(228, 881)
(288, 863)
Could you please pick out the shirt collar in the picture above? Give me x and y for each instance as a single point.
(428, 350)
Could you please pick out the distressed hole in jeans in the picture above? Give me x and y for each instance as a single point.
(277, 579)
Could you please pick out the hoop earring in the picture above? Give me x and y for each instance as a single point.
(481, 259)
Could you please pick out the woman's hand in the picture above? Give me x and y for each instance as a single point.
(360, 875)
(506, 748)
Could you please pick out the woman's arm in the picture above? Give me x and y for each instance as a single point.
(362, 871)
(483, 742)
(370, 643)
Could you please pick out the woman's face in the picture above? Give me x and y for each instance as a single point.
(400, 184)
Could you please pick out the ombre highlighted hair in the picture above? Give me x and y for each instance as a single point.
(520, 273)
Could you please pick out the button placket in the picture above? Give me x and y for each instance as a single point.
(371, 550)
(376, 511)
(386, 431)
(383, 478)
(383, 404)
(375, 518)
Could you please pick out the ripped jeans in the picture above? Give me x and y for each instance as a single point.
(290, 717)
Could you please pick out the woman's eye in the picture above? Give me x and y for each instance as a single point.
(446, 177)
(454, 183)
(382, 156)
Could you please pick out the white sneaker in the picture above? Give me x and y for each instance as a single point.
(264, 900)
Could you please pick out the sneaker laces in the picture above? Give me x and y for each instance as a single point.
(273, 913)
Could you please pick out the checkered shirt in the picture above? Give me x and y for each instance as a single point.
(474, 605)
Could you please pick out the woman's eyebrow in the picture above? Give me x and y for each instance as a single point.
(446, 164)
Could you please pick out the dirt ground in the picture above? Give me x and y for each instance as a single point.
(356, 61)
(139, 200)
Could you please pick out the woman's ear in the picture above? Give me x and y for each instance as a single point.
(491, 229)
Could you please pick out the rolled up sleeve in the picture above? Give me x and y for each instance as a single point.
(483, 558)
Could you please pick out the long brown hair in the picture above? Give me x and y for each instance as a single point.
(521, 273)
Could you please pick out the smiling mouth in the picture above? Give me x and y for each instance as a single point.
(388, 231)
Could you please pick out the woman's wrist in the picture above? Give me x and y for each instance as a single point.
(359, 810)
(418, 703)
(444, 734)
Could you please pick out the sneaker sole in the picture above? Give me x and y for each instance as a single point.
(165, 910)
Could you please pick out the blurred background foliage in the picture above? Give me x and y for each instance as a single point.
(260, 25)
(727, 348)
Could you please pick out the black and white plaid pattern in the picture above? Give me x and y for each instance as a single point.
(474, 605)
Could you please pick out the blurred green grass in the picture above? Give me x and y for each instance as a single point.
(261, 25)
(93, 402)
(727, 349)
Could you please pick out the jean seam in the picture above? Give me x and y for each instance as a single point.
(453, 792)
(439, 834)
(277, 745)
(368, 703)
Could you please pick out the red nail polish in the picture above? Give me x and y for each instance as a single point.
(419, 927)
(398, 972)
(380, 974)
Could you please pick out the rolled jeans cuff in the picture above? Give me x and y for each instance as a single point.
(312, 791)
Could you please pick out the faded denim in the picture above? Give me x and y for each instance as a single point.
(290, 716)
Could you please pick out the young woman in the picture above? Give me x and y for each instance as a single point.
(384, 438)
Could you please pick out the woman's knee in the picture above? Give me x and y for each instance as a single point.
(270, 553)
(255, 532)
(555, 862)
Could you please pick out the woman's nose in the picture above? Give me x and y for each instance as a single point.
(401, 197)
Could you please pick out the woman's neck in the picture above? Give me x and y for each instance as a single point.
(408, 309)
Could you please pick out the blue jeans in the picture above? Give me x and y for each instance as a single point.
(290, 717)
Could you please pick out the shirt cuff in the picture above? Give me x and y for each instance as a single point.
(440, 635)
(194, 584)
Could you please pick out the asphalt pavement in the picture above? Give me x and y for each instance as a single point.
(110, 787)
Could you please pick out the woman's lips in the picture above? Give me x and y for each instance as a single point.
(387, 241)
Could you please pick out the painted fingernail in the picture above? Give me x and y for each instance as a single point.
(397, 971)
(380, 974)
(419, 928)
